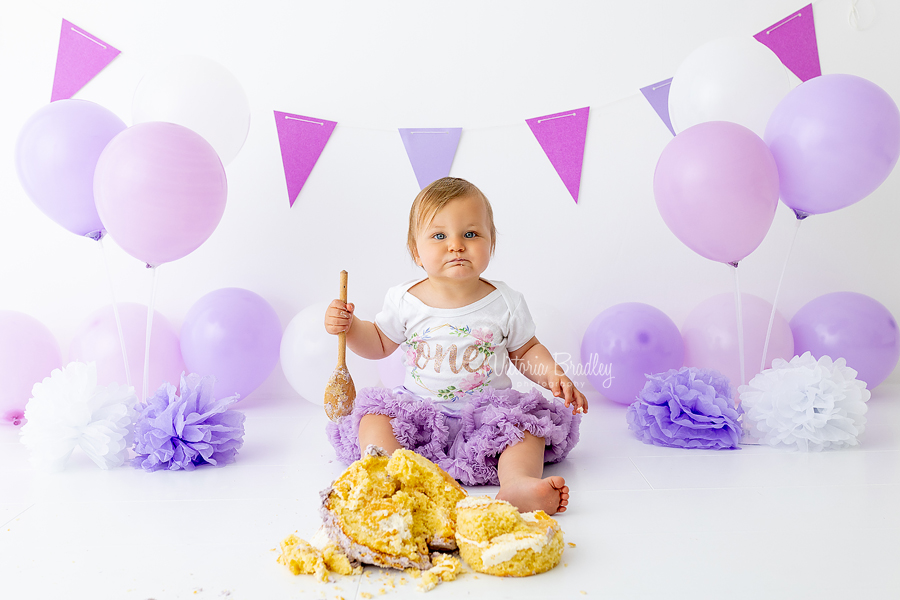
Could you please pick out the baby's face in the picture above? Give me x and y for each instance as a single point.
(456, 244)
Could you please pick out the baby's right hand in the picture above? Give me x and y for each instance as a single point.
(338, 317)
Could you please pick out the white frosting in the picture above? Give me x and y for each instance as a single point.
(394, 522)
(320, 540)
(472, 501)
(503, 547)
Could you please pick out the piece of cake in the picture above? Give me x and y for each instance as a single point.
(302, 558)
(310, 558)
(496, 539)
(446, 568)
(392, 511)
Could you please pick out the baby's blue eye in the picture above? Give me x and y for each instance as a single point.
(439, 236)
(470, 234)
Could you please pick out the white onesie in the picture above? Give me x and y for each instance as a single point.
(452, 353)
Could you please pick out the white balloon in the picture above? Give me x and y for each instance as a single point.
(309, 356)
(730, 79)
(199, 94)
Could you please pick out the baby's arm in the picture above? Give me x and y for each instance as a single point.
(363, 337)
(534, 361)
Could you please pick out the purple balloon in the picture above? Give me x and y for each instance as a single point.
(28, 354)
(160, 191)
(716, 187)
(234, 335)
(56, 154)
(624, 344)
(392, 369)
(835, 139)
(851, 326)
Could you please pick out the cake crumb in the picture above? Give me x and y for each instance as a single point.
(365, 595)
(572, 545)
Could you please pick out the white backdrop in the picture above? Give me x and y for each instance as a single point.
(483, 66)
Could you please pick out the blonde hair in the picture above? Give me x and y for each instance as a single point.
(435, 196)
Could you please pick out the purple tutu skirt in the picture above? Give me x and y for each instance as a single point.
(467, 444)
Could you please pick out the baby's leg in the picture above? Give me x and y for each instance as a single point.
(520, 469)
(376, 429)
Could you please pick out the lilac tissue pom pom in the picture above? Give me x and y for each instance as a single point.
(686, 408)
(184, 429)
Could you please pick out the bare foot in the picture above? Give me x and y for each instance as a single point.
(550, 494)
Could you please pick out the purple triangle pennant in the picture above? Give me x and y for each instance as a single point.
(431, 151)
(562, 137)
(302, 140)
(793, 40)
(79, 58)
(658, 97)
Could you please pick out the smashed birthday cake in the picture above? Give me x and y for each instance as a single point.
(497, 539)
(392, 511)
(404, 512)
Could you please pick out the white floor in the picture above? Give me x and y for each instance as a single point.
(646, 522)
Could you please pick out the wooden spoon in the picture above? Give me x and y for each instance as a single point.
(340, 391)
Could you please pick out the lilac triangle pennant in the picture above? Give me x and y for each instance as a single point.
(302, 140)
(658, 97)
(793, 40)
(562, 137)
(79, 58)
(431, 151)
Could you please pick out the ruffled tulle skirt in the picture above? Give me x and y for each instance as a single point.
(467, 443)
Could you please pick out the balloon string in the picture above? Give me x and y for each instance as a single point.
(147, 338)
(115, 305)
(777, 293)
(740, 321)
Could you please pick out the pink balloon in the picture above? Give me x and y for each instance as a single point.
(234, 335)
(711, 340)
(28, 354)
(160, 190)
(392, 369)
(835, 139)
(716, 187)
(97, 340)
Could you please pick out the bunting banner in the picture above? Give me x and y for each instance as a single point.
(302, 140)
(658, 97)
(78, 60)
(793, 40)
(431, 151)
(562, 136)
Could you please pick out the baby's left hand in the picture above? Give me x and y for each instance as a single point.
(562, 387)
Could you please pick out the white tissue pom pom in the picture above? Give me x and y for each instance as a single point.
(69, 409)
(805, 404)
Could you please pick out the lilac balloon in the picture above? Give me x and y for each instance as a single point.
(97, 340)
(835, 139)
(28, 354)
(234, 335)
(160, 191)
(711, 340)
(716, 187)
(392, 369)
(56, 154)
(851, 326)
(624, 344)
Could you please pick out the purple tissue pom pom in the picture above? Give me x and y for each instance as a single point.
(180, 430)
(686, 408)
